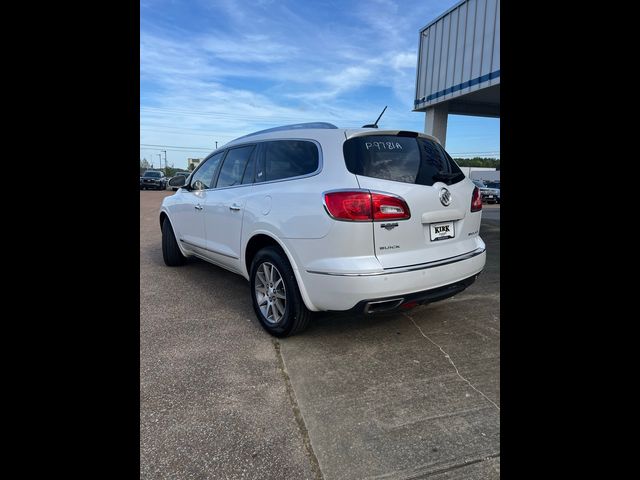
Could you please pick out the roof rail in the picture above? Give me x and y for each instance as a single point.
(295, 126)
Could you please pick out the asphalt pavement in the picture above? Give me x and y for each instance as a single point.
(491, 211)
(394, 396)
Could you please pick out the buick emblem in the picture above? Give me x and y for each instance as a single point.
(445, 197)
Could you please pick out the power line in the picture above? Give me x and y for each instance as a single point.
(492, 152)
(174, 146)
(176, 133)
(196, 152)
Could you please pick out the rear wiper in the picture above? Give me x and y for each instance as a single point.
(445, 176)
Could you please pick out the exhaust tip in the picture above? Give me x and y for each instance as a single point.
(383, 305)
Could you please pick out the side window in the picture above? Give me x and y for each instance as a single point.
(260, 176)
(289, 158)
(202, 178)
(250, 170)
(234, 166)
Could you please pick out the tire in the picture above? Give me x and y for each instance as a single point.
(171, 253)
(295, 317)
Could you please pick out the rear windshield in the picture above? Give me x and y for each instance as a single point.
(152, 174)
(401, 159)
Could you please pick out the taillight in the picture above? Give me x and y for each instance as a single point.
(365, 206)
(476, 200)
(386, 207)
(354, 206)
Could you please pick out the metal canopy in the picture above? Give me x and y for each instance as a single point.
(459, 60)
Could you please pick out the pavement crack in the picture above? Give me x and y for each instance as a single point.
(458, 466)
(313, 460)
(448, 357)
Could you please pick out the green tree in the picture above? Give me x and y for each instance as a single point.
(170, 171)
(479, 162)
(144, 165)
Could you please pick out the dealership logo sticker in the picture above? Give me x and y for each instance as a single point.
(445, 197)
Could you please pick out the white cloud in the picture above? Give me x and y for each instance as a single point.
(247, 48)
(403, 60)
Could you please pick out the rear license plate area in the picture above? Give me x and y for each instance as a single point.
(441, 231)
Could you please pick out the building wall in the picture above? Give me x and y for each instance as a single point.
(193, 161)
(481, 173)
(459, 52)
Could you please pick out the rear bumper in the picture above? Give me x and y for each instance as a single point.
(427, 283)
(376, 305)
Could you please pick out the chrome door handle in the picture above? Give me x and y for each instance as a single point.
(198, 207)
(235, 207)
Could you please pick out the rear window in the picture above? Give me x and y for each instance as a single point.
(153, 174)
(400, 159)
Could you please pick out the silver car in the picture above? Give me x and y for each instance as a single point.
(489, 195)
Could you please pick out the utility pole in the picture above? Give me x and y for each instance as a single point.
(216, 144)
(165, 161)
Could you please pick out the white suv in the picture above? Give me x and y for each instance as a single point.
(319, 218)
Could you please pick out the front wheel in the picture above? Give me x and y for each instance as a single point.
(171, 253)
(275, 294)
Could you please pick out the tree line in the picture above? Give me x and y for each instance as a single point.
(168, 172)
(479, 162)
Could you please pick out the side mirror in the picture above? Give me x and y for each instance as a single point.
(178, 181)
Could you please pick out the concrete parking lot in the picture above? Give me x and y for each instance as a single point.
(394, 396)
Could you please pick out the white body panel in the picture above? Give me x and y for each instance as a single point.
(336, 263)
(187, 220)
(223, 213)
(412, 235)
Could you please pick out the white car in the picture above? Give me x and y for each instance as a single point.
(320, 218)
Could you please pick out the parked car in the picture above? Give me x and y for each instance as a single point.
(154, 179)
(495, 186)
(184, 174)
(321, 218)
(489, 195)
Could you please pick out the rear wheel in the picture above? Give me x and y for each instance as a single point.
(275, 294)
(171, 253)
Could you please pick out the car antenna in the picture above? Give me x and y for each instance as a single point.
(375, 125)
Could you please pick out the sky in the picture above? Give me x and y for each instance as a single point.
(214, 70)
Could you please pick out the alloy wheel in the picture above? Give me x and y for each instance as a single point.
(270, 293)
